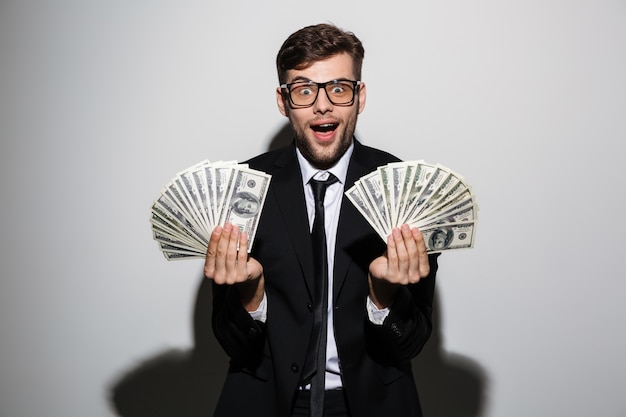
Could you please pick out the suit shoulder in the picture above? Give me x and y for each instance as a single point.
(378, 155)
(268, 160)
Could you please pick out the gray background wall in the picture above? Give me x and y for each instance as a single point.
(103, 102)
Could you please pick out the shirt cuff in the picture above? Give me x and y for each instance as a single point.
(260, 313)
(375, 314)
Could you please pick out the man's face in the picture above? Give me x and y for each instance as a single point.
(323, 131)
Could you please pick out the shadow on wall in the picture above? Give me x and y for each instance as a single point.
(179, 383)
(449, 385)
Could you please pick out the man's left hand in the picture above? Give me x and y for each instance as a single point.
(405, 262)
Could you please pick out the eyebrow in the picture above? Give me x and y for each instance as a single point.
(305, 79)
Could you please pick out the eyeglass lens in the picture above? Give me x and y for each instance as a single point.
(338, 92)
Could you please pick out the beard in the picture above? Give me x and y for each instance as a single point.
(325, 157)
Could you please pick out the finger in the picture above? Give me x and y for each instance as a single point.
(424, 264)
(409, 240)
(412, 260)
(392, 254)
(222, 251)
(402, 236)
(396, 258)
(231, 255)
(242, 255)
(211, 253)
(214, 239)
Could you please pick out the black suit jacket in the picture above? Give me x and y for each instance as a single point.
(267, 359)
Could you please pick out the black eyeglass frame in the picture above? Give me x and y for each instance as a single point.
(320, 86)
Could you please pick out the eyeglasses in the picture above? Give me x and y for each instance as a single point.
(304, 93)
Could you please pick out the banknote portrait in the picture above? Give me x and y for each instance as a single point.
(246, 204)
(441, 238)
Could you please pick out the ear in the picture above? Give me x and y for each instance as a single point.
(362, 97)
(280, 100)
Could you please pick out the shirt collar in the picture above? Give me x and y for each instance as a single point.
(339, 170)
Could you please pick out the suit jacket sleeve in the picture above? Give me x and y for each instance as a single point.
(408, 325)
(241, 337)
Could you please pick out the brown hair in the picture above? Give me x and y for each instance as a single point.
(314, 43)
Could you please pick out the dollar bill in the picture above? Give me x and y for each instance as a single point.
(223, 182)
(373, 191)
(243, 206)
(201, 197)
(168, 216)
(421, 175)
(431, 197)
(464, 211)
(366, 209)
(174, 255)
(393, 178)
(449, 236)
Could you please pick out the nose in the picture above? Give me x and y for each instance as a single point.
(322, 103)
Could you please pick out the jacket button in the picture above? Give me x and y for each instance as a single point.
(309, 306)
(396, 330)
(294, 367)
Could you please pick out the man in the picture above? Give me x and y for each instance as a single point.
(379, 296)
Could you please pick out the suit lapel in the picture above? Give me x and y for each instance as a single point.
(351, 223)
(289, 194)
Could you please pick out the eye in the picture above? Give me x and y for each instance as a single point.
(303, 89)
(340, 89)
(337, 89)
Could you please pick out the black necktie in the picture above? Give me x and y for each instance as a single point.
(315, 365)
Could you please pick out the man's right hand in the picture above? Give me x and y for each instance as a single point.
(226, 263)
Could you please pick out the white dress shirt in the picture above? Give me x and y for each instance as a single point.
(332, 206)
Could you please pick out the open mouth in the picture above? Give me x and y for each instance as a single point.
(325, 127)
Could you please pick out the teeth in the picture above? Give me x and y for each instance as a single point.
(325, 127)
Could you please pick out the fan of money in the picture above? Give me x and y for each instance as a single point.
(430, 197)
(201, 197)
